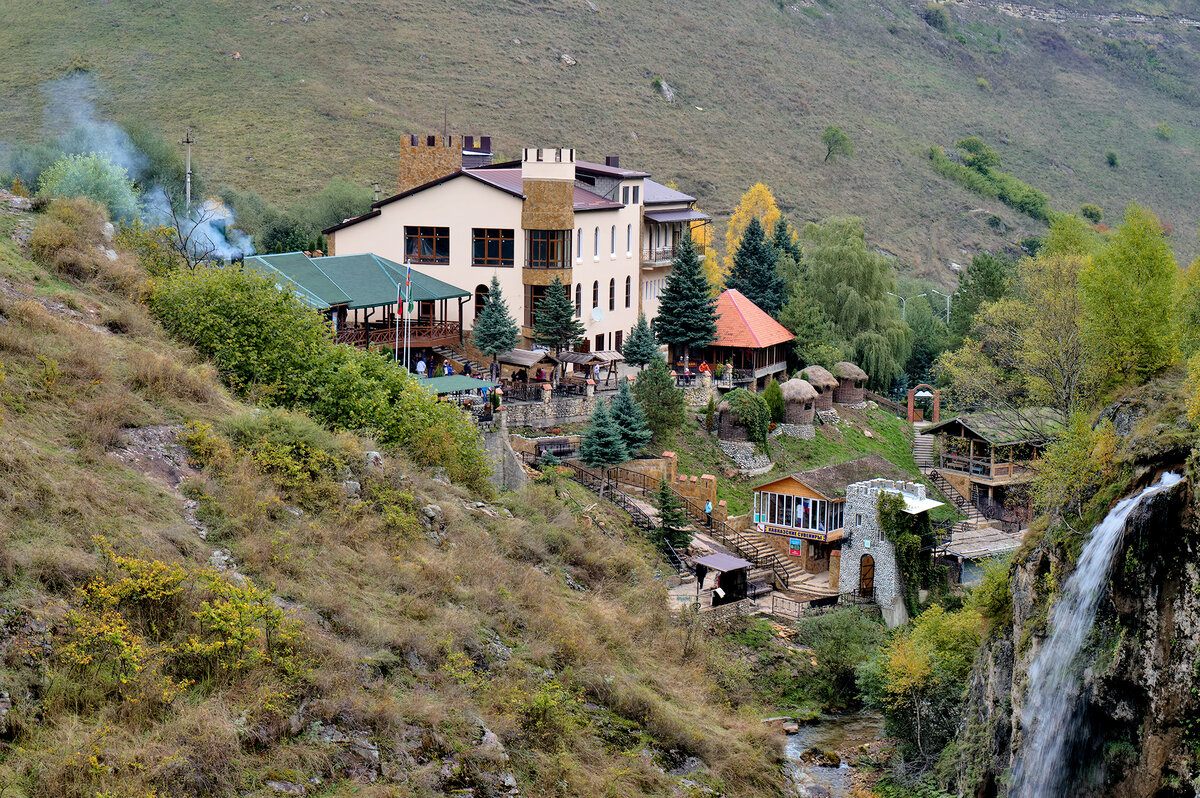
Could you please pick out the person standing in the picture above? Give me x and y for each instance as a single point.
(421, 367)
(708, 512)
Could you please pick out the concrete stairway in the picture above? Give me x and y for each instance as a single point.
(751, 540)
(459, 358)
(922, 450)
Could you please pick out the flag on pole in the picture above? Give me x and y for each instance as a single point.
(408, 287)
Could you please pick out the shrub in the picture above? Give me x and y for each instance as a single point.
(1093, 213)
(841, 640)
(661, 400)
(751, 409)
(266, 343)
(983, 84)
(154, 247)
(992, 597)
(93, 177)
(159, 376)
(1164, 131)
(936, 16)
(773, 396)
(1111, 158)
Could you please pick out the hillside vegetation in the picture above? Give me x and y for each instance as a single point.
(270, 607)
(282, 98)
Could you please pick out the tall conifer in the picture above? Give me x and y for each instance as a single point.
(630, 420)
(603, 445)
(687, 312)
(495, 331)
(554, 322)
(754, 272)
(640, 347)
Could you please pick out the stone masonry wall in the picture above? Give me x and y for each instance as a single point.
(864, 536)
(421, 162)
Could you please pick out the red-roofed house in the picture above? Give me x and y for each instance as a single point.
(750, 340)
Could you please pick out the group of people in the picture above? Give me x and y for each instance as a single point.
(447, 369)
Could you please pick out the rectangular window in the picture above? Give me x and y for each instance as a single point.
(600, 342)
(624, 195)
(427, 244)
(533, 295)
(612, 241)
(620, 339)
(635, 194)
(491, 247)
(547, 249)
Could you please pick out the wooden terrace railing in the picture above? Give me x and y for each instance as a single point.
(422, 332)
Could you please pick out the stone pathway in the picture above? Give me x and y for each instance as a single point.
(805, 432)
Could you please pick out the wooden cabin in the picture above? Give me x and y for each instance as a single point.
(802, 515)
(731, 578)
(852, 383)
(750, 347)
(824, 383)
(983, 455)
(798, 401)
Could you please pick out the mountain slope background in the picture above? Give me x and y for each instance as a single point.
(283, 97)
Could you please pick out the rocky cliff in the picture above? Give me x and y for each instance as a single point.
(1139, 709)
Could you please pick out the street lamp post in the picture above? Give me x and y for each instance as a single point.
(903, 306)
(939, 293)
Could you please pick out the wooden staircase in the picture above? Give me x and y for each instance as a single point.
(752, 541)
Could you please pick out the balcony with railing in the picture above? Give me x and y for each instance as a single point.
(985, 467)
(420, 332)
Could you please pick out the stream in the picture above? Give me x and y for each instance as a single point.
(838, 733)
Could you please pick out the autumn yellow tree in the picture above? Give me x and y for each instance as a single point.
(713, 267)
(757, 203)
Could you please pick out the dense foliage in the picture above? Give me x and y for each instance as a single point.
(687, 312)
(495, 331)
(754, 273)
(268, 345)
(93, 177)
(660, 398)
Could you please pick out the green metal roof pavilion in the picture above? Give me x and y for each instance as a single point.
(353, 281)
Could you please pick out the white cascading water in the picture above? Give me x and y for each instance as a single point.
(1052, 701)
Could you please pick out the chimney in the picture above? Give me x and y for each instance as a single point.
(424, 159)
(613, 160)
(548, 183)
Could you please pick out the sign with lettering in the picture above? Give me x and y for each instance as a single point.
(795, 547)
(789, 532)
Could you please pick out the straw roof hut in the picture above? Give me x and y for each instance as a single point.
(798, 399)
(730, 426)
(824, 383)
(851, 380)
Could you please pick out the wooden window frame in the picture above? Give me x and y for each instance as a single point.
(417, 234)
(493, 240)
(548, 249)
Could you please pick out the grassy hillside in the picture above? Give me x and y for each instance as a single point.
(400, 636)
(282, 98)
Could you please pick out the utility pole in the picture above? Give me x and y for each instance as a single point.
(188, 140)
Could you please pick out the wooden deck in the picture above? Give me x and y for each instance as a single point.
(422, 333)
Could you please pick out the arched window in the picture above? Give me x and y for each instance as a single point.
(578, 299)
(628, 291)
(612, 294)
(481, 292)
(596, 294)
(612, 241)
(596, 243)
(579, 245)
(628, 239)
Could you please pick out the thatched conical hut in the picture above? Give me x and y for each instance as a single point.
(730, 426)
(851, 382)
(798, 399)
(824, 383)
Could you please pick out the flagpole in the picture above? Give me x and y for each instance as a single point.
(399, 308)
(408, 316)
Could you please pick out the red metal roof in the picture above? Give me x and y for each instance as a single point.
(744, 323)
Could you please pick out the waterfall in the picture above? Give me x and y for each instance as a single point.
(1049, 714)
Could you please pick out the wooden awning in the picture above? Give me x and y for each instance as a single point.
(524, 357)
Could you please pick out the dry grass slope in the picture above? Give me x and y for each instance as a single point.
(283, 98)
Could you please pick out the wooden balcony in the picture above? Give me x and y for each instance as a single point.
(422, 332)
(987, 470)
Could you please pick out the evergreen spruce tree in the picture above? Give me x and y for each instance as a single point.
(630, 419)
(783, 242)
(554, 322)
(495, 330)
(640, 347)
(687, 312)
(672, 520)
(661, 400)
(754, 272)
(603, 445)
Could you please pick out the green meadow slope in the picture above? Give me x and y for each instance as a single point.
(282, 97)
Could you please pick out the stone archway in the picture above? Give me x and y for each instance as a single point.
(937, 401)
(866, 576)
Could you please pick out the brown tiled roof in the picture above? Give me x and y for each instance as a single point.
(743, 323)
(831, 481)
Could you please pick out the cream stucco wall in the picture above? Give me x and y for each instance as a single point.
(465, 203)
